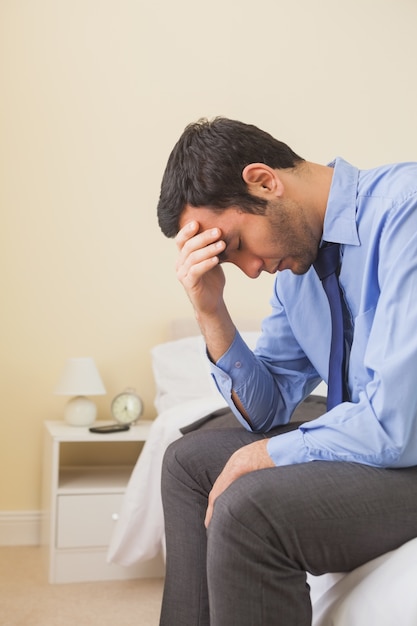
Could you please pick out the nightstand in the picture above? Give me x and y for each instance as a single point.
(84, 479)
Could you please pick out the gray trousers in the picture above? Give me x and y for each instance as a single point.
(268, 529)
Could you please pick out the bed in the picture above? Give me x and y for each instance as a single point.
(379, 592)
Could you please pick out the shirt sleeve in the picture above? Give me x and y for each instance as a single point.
(270, 381)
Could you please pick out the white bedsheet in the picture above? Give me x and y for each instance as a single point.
(381, 593)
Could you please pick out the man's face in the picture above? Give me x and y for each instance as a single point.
(280, 239)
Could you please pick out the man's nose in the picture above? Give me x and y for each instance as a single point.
(252, 266)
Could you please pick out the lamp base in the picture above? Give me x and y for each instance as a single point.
(80, 411)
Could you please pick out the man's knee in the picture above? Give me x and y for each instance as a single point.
(182, 451)
(198, 458)
(255, 507)
(239, 507)
(187, 460)
(175, 458)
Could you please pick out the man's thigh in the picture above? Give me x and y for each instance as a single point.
(203, 453)
(325, 516)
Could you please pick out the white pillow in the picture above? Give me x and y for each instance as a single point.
(182, 370)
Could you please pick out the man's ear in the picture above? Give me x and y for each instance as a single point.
(262, 180)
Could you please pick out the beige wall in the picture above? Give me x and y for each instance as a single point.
(93, 94)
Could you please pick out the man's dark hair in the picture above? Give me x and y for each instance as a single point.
(205, 168)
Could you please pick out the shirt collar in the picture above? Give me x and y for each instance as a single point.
(340, 218)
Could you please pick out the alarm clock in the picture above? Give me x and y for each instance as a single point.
(127, 407)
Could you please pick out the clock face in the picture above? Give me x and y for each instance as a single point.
(127, 407)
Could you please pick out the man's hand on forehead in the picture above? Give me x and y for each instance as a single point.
(199, 250)
(201, 238)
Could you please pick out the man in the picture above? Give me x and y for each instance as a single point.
(248, 511)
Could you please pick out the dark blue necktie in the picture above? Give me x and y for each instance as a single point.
(327, 267)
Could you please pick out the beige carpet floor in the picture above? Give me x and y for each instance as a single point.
(27, 599)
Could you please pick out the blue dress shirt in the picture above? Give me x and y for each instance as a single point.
(373, 215)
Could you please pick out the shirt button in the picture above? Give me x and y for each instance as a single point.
(238, 364)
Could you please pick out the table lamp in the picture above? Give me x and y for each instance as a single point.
(80, 378)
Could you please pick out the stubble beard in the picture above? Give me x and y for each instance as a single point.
(291, 232)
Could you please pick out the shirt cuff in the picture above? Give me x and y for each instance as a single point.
(288, 448)
(236, 365)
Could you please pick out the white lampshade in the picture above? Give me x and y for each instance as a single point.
(80, 378)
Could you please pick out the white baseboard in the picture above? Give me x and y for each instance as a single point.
(20, 528)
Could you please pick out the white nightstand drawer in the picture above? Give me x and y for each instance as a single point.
(86, 520)
(81, 495)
